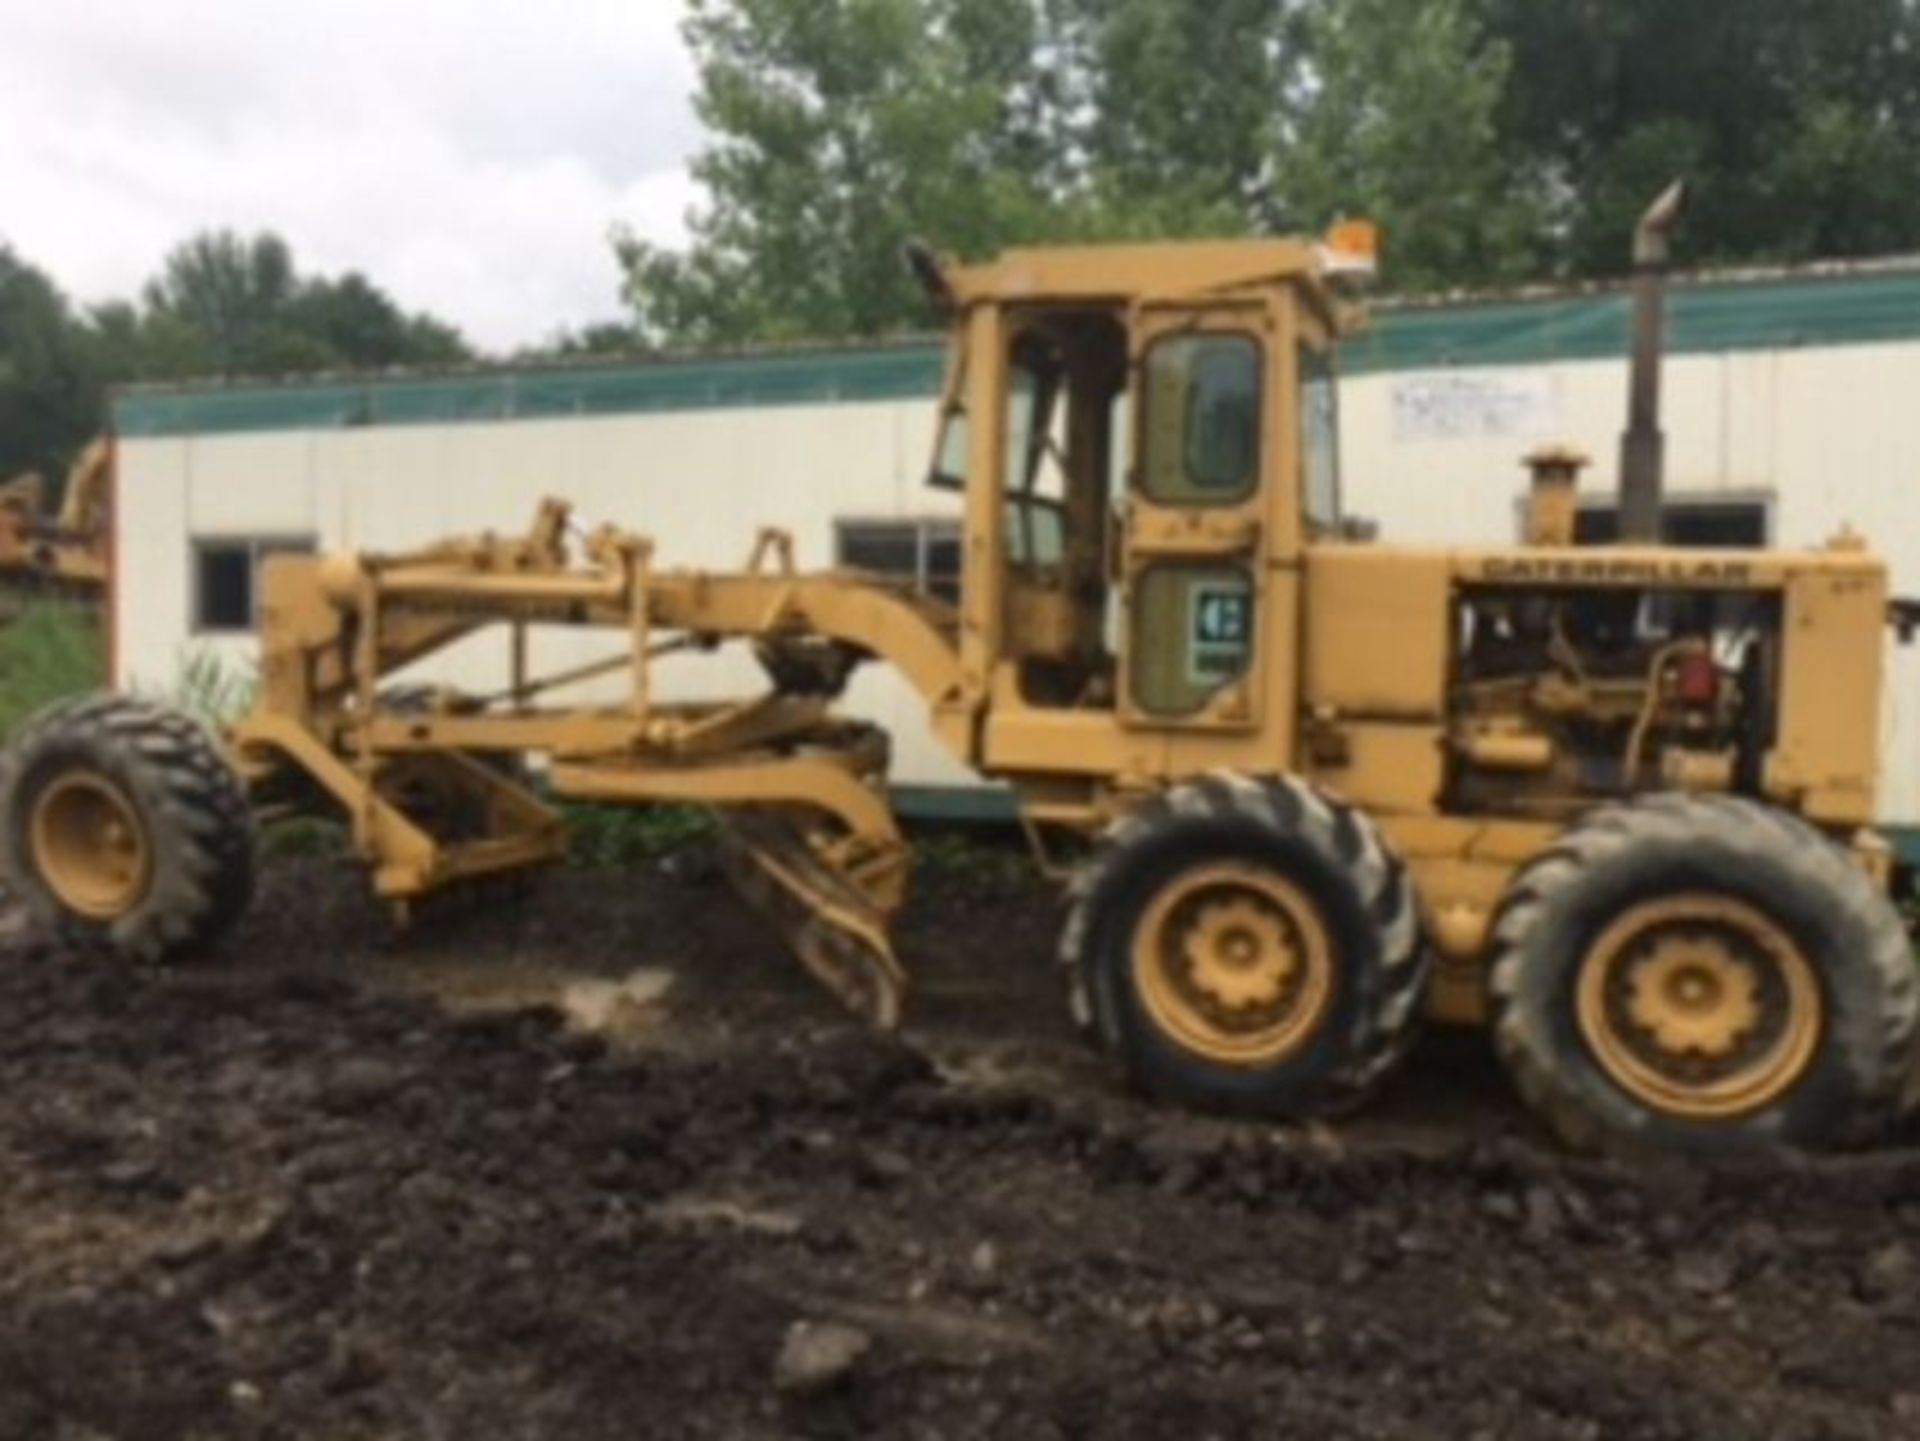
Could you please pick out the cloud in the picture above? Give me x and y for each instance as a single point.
(468, 155)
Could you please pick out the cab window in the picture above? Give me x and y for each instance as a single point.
(1035, 453)
(950, 450)
(1201, 438)
(950, 458)
(1192, 634)
(1319, 441)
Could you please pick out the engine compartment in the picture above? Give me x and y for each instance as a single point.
(1559, 698)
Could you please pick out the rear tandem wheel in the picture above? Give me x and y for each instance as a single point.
(1704, 974)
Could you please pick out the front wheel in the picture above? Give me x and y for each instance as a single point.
(122, 826)
(1704, 974)
(1250, 945)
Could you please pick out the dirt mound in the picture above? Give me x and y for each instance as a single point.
(283, 1198)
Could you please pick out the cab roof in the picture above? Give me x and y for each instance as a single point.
(1166, 270)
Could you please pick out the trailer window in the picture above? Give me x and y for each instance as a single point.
(226, 579)
(1686, 521)
(923, 551)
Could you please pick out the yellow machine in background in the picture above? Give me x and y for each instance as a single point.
(1615, 802)
(64, 549)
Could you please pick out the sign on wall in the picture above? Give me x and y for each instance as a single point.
(1453, 405)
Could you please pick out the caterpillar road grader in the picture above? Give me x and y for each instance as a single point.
(59, 551)
(1304, 788)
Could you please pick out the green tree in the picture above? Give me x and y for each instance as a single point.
(227, 305)
(1185, 97)
(838, 131)
(1492, 139)
(228, 297)
(220, 306)
(1396, 119)
(362, 327)
(605, 338)
(50, 399)
(1797, 122)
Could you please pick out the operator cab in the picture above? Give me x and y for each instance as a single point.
(1143, 434)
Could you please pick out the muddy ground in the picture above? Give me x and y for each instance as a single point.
(326, 1186)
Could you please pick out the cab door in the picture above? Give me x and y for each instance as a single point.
(1194, 542)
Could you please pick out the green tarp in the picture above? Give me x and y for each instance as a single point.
(1838, 309)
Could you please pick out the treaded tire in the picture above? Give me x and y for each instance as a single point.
(1666, 845)
(199, 828)
(1333, 854)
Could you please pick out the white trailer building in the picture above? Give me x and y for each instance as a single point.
(1792, 408)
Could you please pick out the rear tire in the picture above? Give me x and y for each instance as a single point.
(1247, 945)
(122, 826)
(1704, 975)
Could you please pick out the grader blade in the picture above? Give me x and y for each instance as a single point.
(831, 903)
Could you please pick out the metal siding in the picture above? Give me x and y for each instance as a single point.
(251, 485)
(150, 589)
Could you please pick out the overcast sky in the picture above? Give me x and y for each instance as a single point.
(468, 155)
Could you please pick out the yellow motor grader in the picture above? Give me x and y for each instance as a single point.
(1304, 788)
(61, 551)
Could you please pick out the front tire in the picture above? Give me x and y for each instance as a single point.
(1247, 945)
(122, 826)
(1705, 975)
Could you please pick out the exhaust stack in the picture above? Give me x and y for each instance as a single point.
(1642, 444)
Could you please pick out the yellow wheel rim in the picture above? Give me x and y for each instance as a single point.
(90, 847)
(1233, 963)
(1700, 1006)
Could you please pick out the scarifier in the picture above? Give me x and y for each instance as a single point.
(1615, 802)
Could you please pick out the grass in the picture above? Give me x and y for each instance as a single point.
(212, 689)
(994, 854)
(611, 835)
(52, 650)
(603, 835)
